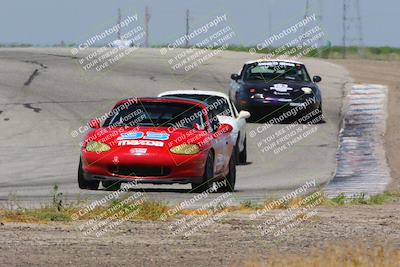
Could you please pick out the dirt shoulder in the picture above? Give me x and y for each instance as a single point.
(233, 239)
(385, 73)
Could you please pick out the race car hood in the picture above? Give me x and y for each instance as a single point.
(281, 88)
(155, 138)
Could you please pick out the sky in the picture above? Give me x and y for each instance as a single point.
(47, 22)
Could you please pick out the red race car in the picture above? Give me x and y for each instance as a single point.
(158, 141)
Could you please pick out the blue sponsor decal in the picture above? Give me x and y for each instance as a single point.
(156, 136)
(131, 135)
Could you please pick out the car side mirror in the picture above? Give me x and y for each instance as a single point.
(197, 127)
(94, 123)
(317, 79)
(235, 76)
(224, 128)
(243, 114)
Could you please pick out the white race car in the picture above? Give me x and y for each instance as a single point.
(226, 113)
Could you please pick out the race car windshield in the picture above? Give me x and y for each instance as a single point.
(219, 104)
(276, 71)
(156, 114)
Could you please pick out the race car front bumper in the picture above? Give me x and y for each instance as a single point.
(275, 107)
(157, 168)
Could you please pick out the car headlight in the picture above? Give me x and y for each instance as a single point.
(307, 90)
(185, 149)
(94, 146)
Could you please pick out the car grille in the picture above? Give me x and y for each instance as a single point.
(285, 95)
(140, 171)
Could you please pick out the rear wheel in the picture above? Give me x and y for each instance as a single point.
(231, 176)
(237, 152)
(208, 176)
(243, 154)
(111, 185)
(86, 184)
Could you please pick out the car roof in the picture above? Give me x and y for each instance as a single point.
(273, 60)
(194, 92)
(163, 99)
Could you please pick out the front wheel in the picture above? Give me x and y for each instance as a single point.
(86, 184)
(243, 154)
(230, 178)
(321, 114)
(208, 176)
(319, 117)
(237, 152)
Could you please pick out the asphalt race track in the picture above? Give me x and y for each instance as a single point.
(46, 96)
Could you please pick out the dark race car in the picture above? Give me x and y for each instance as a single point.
(269, 88)
(158, 141)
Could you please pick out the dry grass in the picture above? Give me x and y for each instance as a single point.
(345, 255)
(144, 210)
(42, 215)
(155, 210)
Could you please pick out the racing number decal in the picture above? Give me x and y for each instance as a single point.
(152, 139)
(156, 136)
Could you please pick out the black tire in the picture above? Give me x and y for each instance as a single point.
(318, 115)
(243, 154)
(111, 185)
(86, 184)
(236, 148)
(321, 114)
(208, 176)
(231, 177)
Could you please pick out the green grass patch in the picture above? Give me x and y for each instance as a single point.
(134, 209)
(130, 209)
(248, 204)
(318, 198)
(363, 199)
(327, 51)
(339, 200)
(333, 52)
(144, 210)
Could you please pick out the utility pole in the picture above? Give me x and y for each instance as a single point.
(119, 23)
(321, 41)
(359, 24)
(269, 7)
(344, 29)
(147, 17)
(315, 7)
(187, 28)
(306, 14)
(352, 25)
